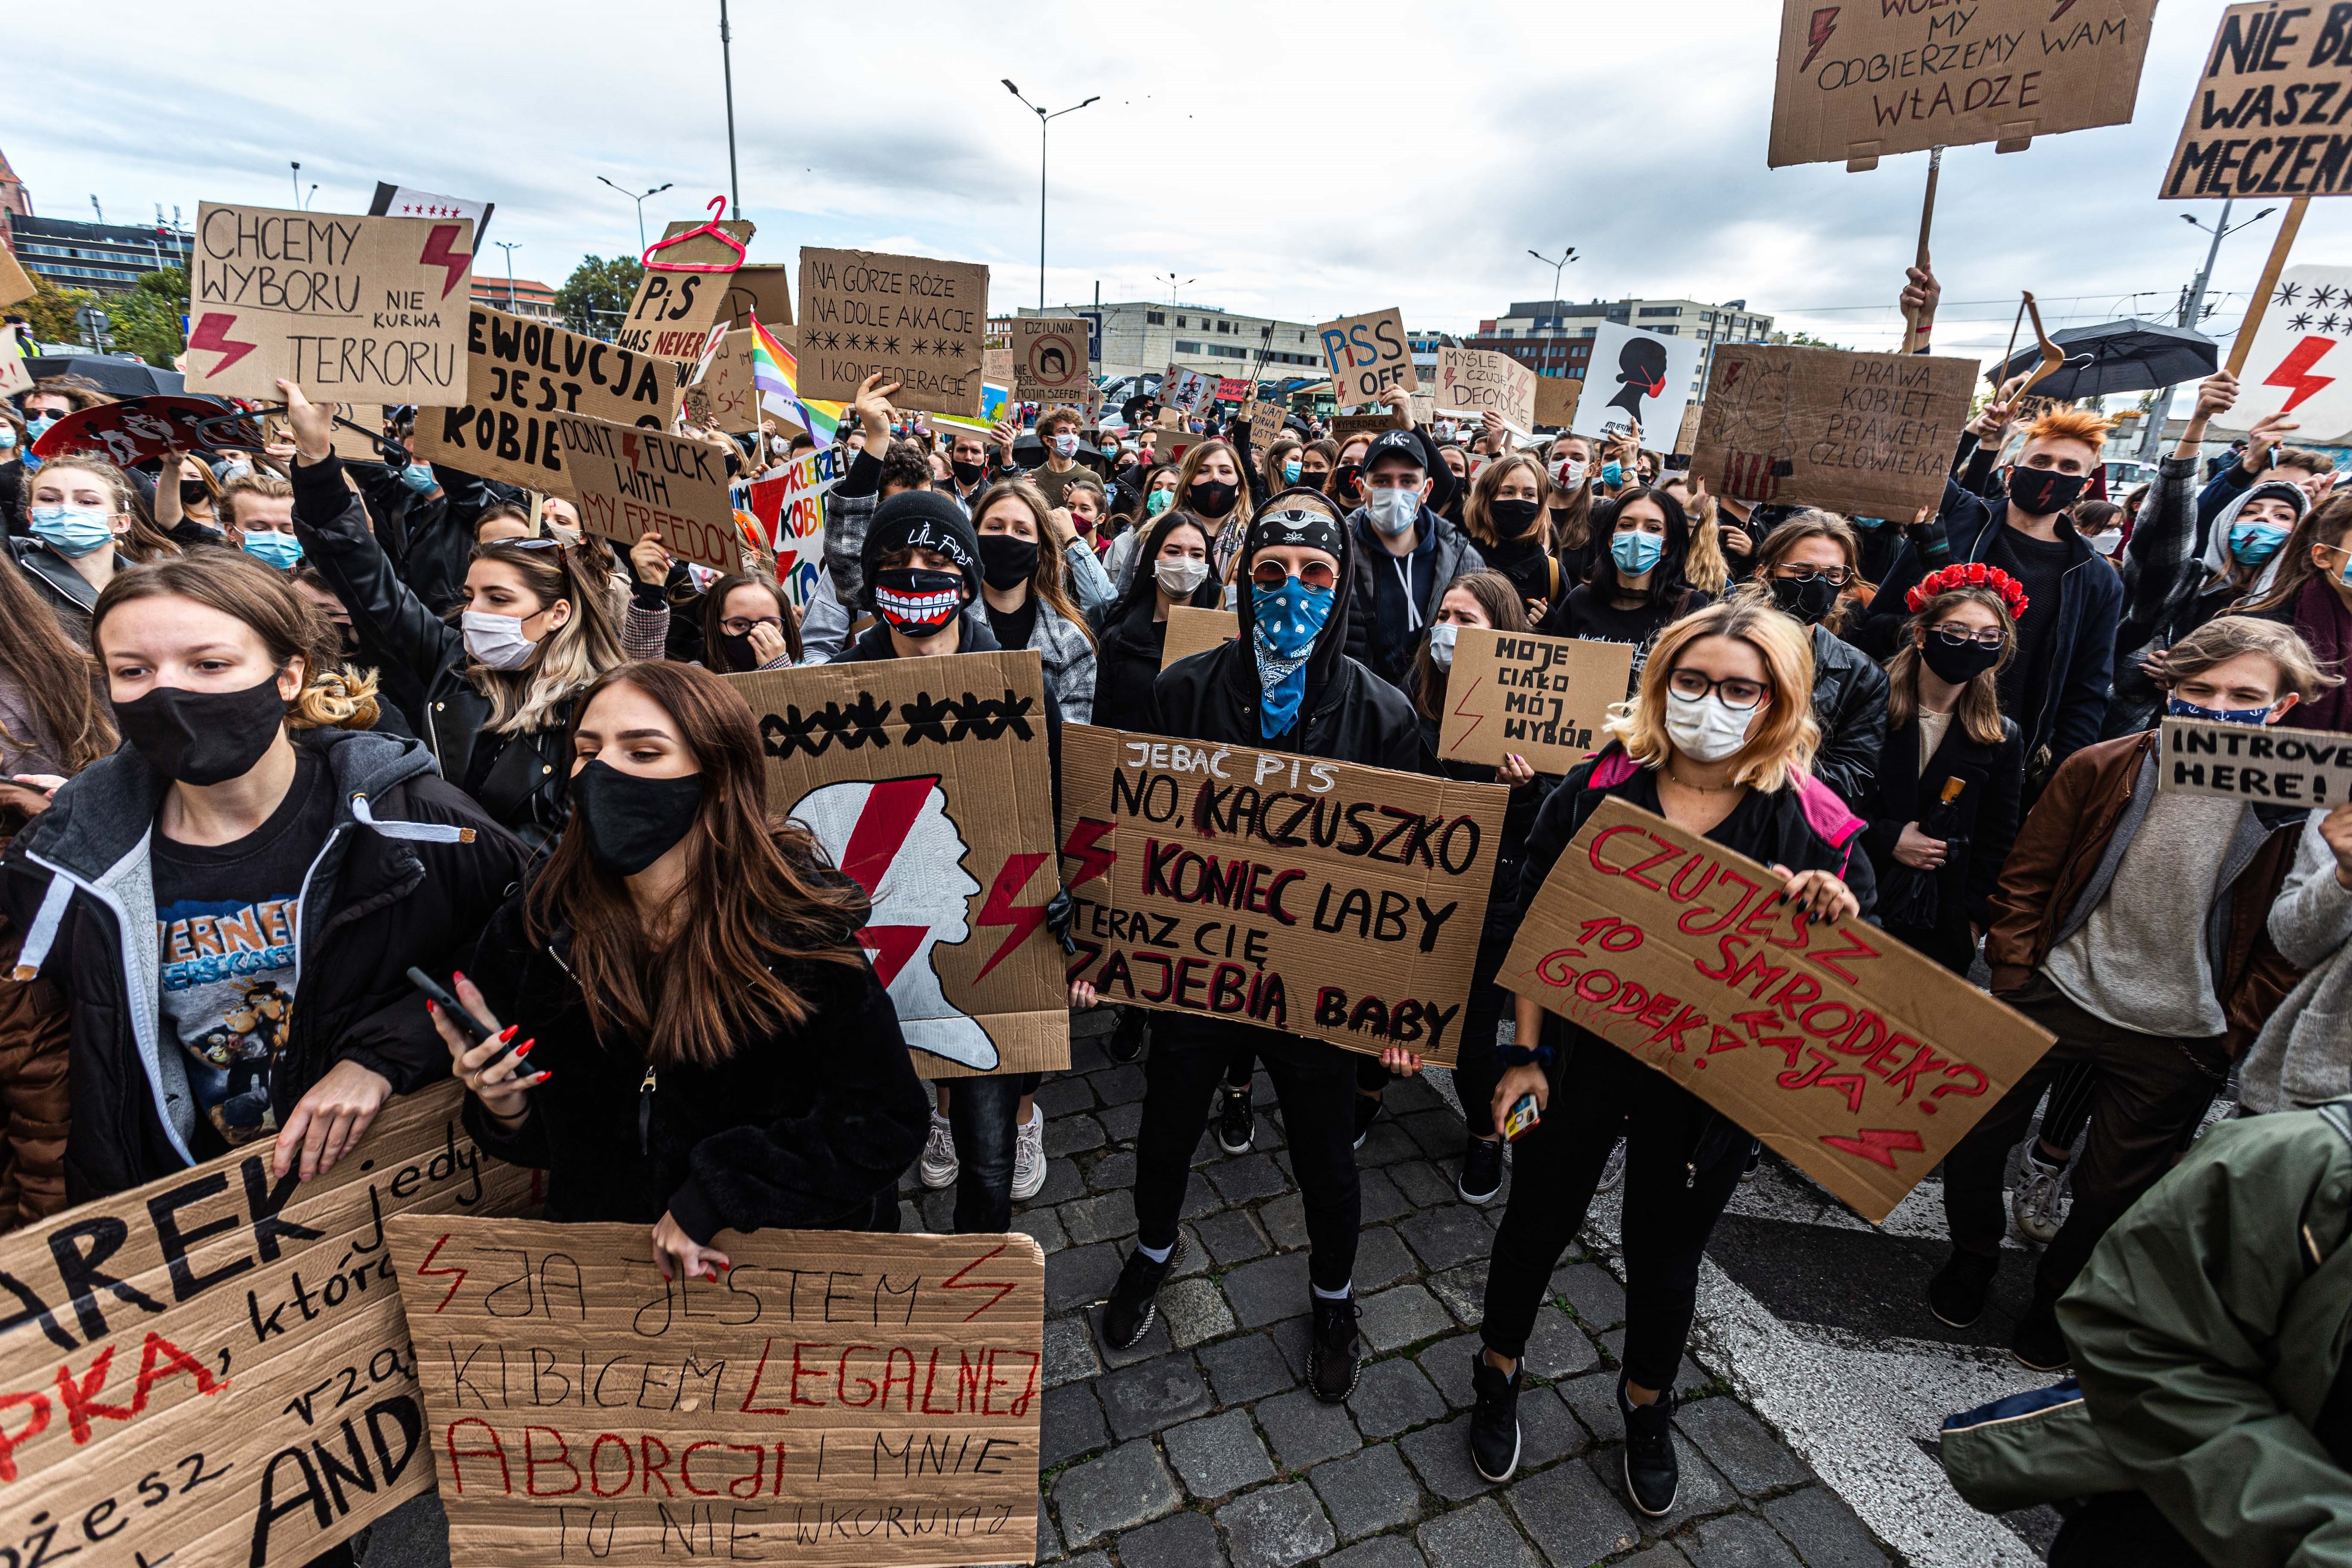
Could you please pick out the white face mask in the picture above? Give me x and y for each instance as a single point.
(497, 640)
(1571, 473)
(1066, 444)
(1705, 728)
(1179, 575)
(1440, 643)
(1393, 510)
(2107, 544)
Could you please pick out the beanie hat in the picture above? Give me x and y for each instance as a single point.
(920, 520)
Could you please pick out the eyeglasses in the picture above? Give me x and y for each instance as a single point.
(1270, 575)
(1956, 634)
(1738, 695)
(1835, 576)
(738, 627)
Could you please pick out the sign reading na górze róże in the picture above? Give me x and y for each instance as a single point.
(1851, 1055)
(625, 481)
(519, 376)
(1854, 433)
(1318, 897)
(834, 1398)
(356, 310)
(1514, 693)
(2267, 118)
(2260, 762)
(908, 319)
(213, 1368)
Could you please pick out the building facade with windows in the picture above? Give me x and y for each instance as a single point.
(102, 256)
(531, 298)
(1554, 337)
(1143, 338)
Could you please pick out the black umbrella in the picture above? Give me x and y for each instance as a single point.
(115, 377)
(2129, 355)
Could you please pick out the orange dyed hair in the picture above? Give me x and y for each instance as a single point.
(2071, 424)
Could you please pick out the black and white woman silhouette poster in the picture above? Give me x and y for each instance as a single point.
(1636, 377)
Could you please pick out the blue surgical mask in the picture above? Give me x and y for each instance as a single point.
(72, 531)
(8, 438)
(419, 476)
(1290, 472)
(1612, 474)
(2181, 708)
(2251, 543)
(272, 548)
(1869, 523)
(1636, 552)
(1289, 617)
(38, 425)
(1157, 502)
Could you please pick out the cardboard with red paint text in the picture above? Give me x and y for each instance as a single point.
(1320, 898)
(673, 311)
(357, 310)
(929, 782)
(231, 1382)
(1856, 1059)
(1191, 630)
(625, 481)
(1537, 697)
(1367, 355)
(521, 375)
(789, 501)
(1478, 381)
(2264, 764)
(2266, 118)
(1871, 434)
(832, 1398)
(910, 318)
(1859, 83)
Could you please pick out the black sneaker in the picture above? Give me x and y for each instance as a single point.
(1126, 1042)
(1368, 1111)
(1236, 1122)
(1482, 1172)
(1495, 1418)
(2038, 1345)
(1956, 1294)
(1127, 1316)
(1332, 1351)
(1653, 1477)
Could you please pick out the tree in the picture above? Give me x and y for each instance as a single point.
(50, 312)
(146, 320)
(597, 294)
(1807, 341)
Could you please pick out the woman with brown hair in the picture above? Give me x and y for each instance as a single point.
(1213, 485)
(53, 718)
(1155, 497)
(1023, 593)
(85, 521)
(1315, 460)
(1571, 506)
(1806, 569)
(706, 1047)
(2313, 592)
(1507, 516)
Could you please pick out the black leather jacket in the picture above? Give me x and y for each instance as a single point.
(1849, 705)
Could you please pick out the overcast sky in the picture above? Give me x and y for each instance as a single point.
(1303, 161)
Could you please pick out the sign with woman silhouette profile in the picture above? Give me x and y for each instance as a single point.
(1636, 377)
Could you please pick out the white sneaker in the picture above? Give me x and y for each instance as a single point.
(2039, 1202)
(1029, 1157)
(940, 1163)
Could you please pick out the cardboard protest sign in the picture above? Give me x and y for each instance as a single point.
(1234, 389)
(1857, 84)
(761, 289)
(727, 396)
(790, 501)
(1853, 1058)
(1480, 381)
(673, 311)
(1188, 390)
(2267, 116)
(407, 201)
(14, 377)
(996, 367)
(2260, 762)
(1049, 357)
(2295, 366)
(1170, 445)
(1854, 433)
(1686, 437)
(1635, 377)
(15, 283)
(1541, 698)
(1322, 897)
(1367, 355)
(371, 310)
(1556, 398)
(625, 481)
(928, 783)
(1346, 425)
(1267, 419)
(909, 319)
(1191, 630)
(213, 1368)
(836, 1398)
(521, 375)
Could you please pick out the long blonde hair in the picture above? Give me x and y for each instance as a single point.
(1784, 743)
(570, 658)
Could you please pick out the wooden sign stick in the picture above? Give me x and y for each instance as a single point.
(2243, 344)
(1926, 222)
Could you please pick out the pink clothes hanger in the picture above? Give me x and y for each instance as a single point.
(718, 206)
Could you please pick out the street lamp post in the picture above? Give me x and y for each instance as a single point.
(508, 247)
(1044, 119)
(2151, 441)
(641, 207)
(1566, 257)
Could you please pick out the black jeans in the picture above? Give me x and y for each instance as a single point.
(1477, 1061)
(981, 1112)
(1316, 1083)
(1681, 1165)
(2150, 1089)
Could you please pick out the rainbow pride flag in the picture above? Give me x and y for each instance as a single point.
(775, 374)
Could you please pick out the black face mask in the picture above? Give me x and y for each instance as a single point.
(1213, 499)
(1347, 481)
(918, 603)
(203, 736)
(1006, 562)
(1806, 598)
(1513, 518)
(1957, 663)
(2038, 492)
(967, 474)
(192, 492)
(740, 659)
(631, 821)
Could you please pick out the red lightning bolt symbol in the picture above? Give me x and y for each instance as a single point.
(1000, 910)
(1002, 1288)
(425, 1270)
(438, 254)
(1092, 862)
(1877, 1145)
(2064, 6)
(212, 335)
(1824, 24)
(2292, 372)
(1475, 719)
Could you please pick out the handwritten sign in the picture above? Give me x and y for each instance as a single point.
(625, 481)
(727, 397)
(14, 377)
(1856, 1059)
(1367, 355)
(1556, 398)
(673, 312)
(764, 290)
(1634, 378)
(1343, 425)
(2261, 763)
(908, 319)
(362, 309)
(1854, 433)
(1540, 697)
(520, 376)
(1322, 897)
(1686, 435)
(213, 1368)
(791, 503)
(1860, 83)
(1266, 422)
(2265, 120)
(1478, 381)
(836, 1398)
(1191, 630)
(928, 781)
(1049, 354)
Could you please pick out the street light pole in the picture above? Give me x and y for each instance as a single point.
(726, 66)
(641, 207)
(1566, 257)
(2159, 413)
(1044, 119)
(508, 247)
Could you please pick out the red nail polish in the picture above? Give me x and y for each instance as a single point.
(429, 1006)
(508, 1033)
(524, 1049)
(542, 1078)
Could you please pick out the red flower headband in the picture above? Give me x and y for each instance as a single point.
(1974, 575)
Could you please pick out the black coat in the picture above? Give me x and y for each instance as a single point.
(1126, 664)
(1518, 819)
(391, 888)
(798, 1129)
(430, 538)
(1849, 705)
(57, 584)
(1987, 808)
